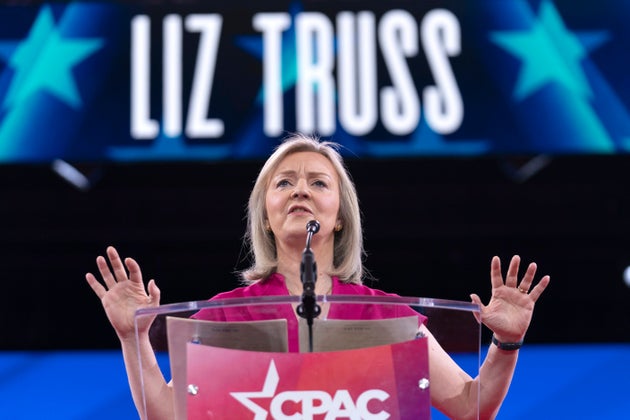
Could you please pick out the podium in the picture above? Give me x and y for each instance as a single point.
(365, 357)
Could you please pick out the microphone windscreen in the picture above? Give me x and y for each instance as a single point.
(312, 226)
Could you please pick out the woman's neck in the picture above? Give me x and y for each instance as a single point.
(290, 260)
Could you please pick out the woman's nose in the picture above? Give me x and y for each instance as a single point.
(301, 190)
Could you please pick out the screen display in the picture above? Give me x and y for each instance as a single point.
(149, 81)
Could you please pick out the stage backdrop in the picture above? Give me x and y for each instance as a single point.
(209, 80)
(472, 129)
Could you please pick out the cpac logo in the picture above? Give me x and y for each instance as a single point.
(313, 403)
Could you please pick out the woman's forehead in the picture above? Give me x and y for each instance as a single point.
(306, 162)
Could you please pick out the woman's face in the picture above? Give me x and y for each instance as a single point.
(303, 187)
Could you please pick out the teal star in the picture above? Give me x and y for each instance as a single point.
(44, 61)
(254, 46)
(550, 53)
(288, 65)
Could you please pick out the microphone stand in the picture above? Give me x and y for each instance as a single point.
(309, 309)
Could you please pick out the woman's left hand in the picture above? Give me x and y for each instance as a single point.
(510, 310)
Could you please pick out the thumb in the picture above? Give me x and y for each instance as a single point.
(475, 299)
(154, 292)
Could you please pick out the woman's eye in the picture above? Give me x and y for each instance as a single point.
(283, 183)
(320, 183)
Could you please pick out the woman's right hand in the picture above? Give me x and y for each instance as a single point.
(123, 292)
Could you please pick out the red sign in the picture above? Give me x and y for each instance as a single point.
(384, 382)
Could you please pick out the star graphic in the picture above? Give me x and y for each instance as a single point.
(268, 391)
(44, 62)
(254, 46)
(550, 53)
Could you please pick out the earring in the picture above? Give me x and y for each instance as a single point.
(267, 226)
(338, 227)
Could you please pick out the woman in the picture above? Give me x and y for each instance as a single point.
(305, 179)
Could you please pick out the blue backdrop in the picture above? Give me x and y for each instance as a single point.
(551, 382)
(203, 81)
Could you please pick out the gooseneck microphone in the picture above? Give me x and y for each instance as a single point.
(309, 309)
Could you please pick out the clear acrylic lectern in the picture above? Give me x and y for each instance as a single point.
(254, 358)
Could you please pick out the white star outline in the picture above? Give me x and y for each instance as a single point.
(268, 391)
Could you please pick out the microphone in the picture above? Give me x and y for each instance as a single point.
(309, 309)
(312, 227)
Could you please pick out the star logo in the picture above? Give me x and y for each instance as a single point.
(254, 46)
(44, 61)
(550, 53)
(268, 391)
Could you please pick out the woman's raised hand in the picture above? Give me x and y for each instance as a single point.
(122, 292)
(510, 310)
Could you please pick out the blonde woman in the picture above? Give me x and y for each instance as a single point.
(306, 179)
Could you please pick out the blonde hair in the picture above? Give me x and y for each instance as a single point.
(348, 244)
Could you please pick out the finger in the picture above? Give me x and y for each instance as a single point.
(106, 273)
(496, 277)
(539, 288)
(512, 275)
(528, 278)
(135, 274)
(154, 293)
(97, 287)
(117, 265)
(476, 300)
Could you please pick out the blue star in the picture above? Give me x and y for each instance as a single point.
(550, 53)
(44, 62)
(254, 45)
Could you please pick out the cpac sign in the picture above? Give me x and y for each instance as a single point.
(374, 383)
(336, 75)
(313, 403)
